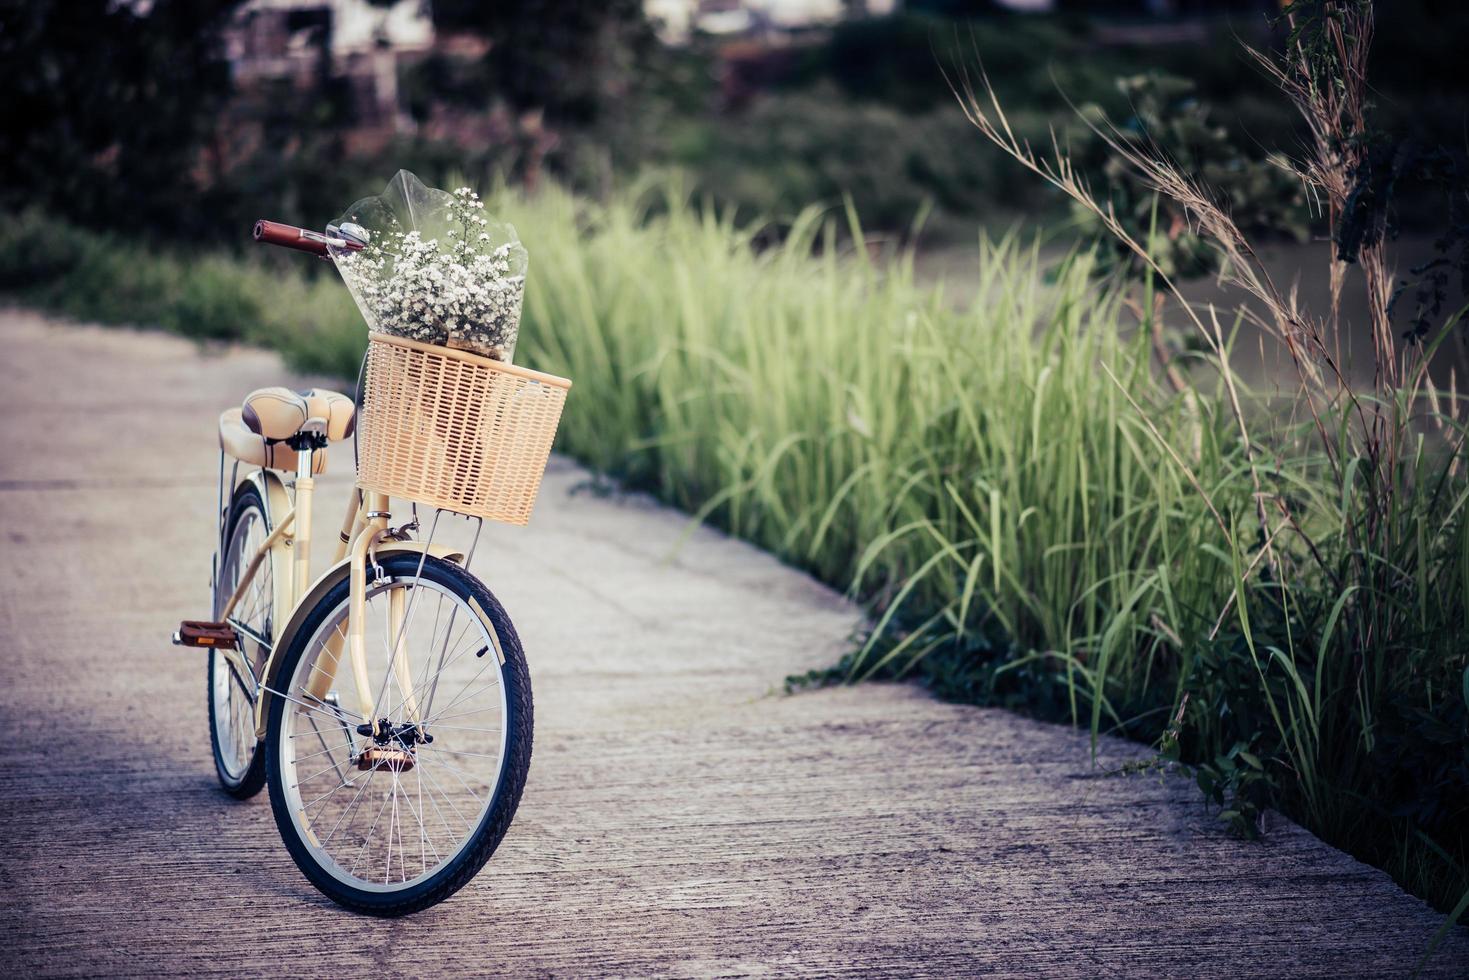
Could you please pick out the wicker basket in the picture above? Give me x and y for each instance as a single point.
(454, 430)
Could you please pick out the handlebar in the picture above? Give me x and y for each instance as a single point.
(289, 236)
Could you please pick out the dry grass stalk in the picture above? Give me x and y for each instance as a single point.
(1327, 83)
(1059, 171)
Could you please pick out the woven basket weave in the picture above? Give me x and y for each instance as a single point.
(450, 429)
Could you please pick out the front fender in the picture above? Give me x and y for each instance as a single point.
(324, 584)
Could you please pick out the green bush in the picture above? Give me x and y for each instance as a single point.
(35, 252)
(216, 302)
(790, 150)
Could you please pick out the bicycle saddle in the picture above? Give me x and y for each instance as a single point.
(255, 432)
(279, 413)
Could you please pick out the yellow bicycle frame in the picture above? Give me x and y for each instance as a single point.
(288, 548)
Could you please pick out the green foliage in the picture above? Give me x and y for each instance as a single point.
(99, 277)
(37, 252)
(121, 116)
(1261, 193)
(901, 60)
(791, 150)
(1331, 680)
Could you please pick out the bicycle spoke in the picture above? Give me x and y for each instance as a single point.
(324, 797)
(309, 707)
(392, 823)
(449, 831)
(425, 843)
(459, 698)
(367, 838)
(344, 781)
(350, 807)
(302, 758)
(340, 634)
(448, 799)
(458, 774)
(464, 714)
(438, 726)
(460, 650)
(477, 755)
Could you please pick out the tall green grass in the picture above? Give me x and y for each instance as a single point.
(963, 465)
(1030, 519)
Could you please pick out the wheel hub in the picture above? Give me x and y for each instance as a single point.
(384, 732)
(392, 746)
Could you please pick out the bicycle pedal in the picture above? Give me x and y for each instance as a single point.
(197, 633)
(385, 757)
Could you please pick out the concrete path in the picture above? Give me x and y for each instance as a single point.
(682, 817)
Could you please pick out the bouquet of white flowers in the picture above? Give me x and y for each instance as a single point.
(433, 267)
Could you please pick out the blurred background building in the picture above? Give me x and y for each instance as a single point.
(305, 42)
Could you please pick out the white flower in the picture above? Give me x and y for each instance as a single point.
(426, 290)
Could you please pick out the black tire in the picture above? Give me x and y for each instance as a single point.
(497, 816)
(253, 780)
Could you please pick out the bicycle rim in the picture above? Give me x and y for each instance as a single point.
(234, 711)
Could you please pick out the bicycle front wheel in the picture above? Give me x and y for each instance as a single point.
(392, 808)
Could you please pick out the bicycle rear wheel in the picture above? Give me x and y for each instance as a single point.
(240, 767)
(393, 813)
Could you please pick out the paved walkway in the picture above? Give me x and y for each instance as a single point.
(682, 817)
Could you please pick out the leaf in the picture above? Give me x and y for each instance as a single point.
(1443, 931)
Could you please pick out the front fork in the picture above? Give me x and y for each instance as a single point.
(364, 526)
(376, 506)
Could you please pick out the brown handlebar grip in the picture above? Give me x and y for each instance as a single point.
(289, 236)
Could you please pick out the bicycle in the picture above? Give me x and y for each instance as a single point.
(393, 785)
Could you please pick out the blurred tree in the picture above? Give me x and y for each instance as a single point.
(108, 104)
(955, 9)
(1134, 8)
(574, 59)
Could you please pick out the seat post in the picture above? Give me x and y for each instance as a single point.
(305, 487)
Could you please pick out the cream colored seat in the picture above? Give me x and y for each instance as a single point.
(335, 409)
(257, 431)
